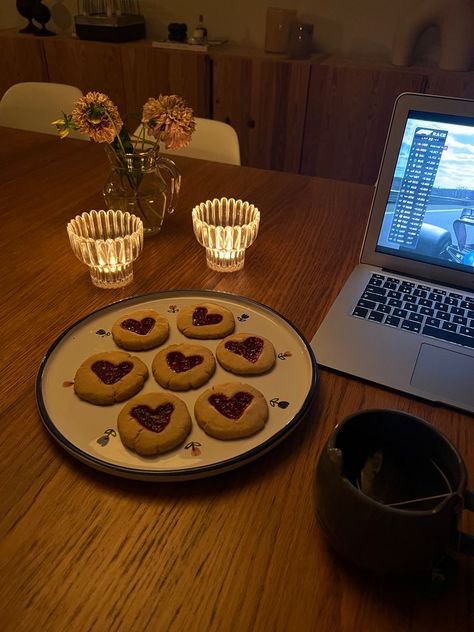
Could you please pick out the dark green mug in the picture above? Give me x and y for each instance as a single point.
(389, 491)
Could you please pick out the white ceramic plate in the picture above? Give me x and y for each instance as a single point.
(90, 433)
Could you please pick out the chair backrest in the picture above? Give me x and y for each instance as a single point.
(212, 140)
(33, 105)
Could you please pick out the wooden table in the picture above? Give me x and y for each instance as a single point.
(83, 550)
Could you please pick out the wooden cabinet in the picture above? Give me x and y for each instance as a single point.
(453, 84)
(149, 72)
(22, 59)
(265, 101)
(87, 65)
(347, 118)
(128, 73)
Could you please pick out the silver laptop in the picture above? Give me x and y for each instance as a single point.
(405, 317)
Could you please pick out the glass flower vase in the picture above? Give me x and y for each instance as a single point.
(145, 184)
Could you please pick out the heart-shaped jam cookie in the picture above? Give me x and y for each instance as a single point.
(179, 363)
(110, 373)
(231, 407)
(156, 419)
(251, 348)
(201, 317)
(141, 327)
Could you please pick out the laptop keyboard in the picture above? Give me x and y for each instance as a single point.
(421, 309)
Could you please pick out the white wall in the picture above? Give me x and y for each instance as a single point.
(364, 27)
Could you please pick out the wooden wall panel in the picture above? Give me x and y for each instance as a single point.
(22, 59)
(87, 65)
(265, 101)
(347, 119)
(150, 72)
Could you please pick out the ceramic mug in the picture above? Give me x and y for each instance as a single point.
(389, 491)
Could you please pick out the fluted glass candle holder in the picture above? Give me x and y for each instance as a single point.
(108, 242)
(226, 228)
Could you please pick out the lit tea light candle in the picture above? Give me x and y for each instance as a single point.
(108, 242)
(226, 228)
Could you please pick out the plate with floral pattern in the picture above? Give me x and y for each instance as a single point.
(89, 432)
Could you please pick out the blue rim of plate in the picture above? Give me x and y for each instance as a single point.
(177, 474)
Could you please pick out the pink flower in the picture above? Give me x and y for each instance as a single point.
(96, 116)
(169, 120)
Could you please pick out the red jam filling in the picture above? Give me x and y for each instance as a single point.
(179, 363)
(110, 373)
(141, 327)
(201, 317)
(155, 420)
(231, 407)
(251, 348)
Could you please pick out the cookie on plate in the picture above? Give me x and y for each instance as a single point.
(153, 423)
(246, 354)
(109, 377)
(184, 366)
(205, 320)
(231, 411)
(140, 330)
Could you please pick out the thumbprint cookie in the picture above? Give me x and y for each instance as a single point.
(153, 423)
(109, 377)
(246, 354)
(140, 330)
(231, 411)
(205, 320)
(183, 366)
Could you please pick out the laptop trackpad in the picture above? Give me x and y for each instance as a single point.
(452, 383)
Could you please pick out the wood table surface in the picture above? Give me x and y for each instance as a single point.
(84, 550)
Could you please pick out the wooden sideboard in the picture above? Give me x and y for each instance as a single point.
(349, 107)
(326, 116)
(23, 59)
(264, 99)
(129, 73)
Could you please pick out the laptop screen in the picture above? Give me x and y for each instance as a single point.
(429, 214)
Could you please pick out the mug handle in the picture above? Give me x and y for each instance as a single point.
(466, 541)
(166, 164)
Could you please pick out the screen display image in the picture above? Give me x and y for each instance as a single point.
(429, 215)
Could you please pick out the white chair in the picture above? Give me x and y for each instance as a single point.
(33, 105)
(212, 140)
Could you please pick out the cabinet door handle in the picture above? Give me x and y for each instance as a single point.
(227, 120)
(251, 123)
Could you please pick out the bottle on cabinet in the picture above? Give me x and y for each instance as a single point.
(200, 32)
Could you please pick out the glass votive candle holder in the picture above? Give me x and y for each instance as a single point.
(108, 242)
(226, 228)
